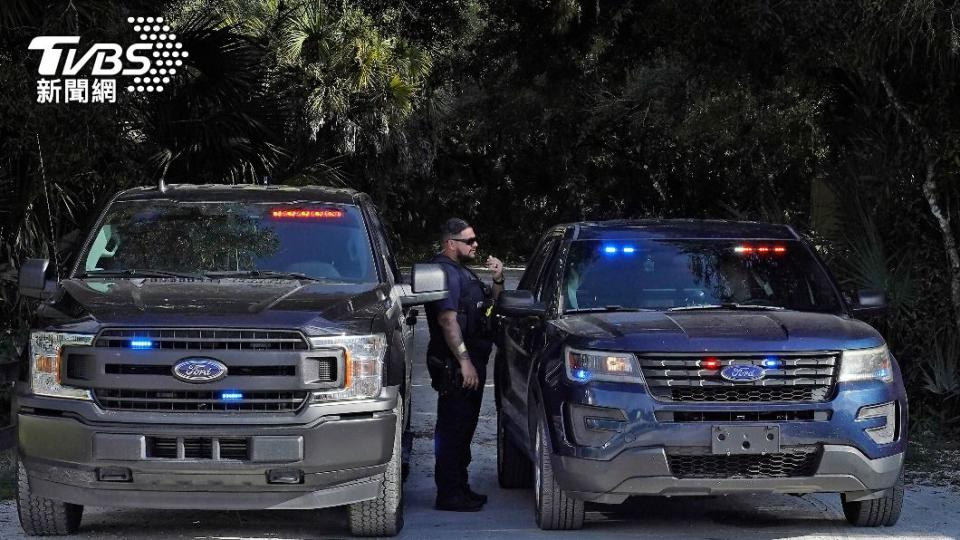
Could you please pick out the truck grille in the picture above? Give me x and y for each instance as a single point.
(795, 461)
(204, 339)
(328, 368)
(198, 401)
(231, 448)
(802, 377)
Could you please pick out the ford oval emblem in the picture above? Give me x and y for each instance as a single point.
(742, 373)
(199, 370)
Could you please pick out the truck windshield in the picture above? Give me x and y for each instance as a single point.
(325, 241)
(695, 274)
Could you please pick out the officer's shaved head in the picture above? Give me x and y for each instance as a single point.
(452, 228)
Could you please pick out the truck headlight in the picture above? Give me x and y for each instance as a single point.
(363, 365)
(584, 366)
(866, 364)
(46, 359)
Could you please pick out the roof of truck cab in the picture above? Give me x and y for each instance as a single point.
(242, 193)
(682, 228)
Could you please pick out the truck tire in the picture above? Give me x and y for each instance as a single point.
(514, 469)
(884, 511)
(555, 510)
(40, 516)
(383, 516)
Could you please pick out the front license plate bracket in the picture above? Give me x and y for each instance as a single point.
(729, 440)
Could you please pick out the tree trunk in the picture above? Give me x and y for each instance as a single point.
(929, 186)
(949, 242)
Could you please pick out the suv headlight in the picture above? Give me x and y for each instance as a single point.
(363, 365)
(866, 365)
(584, 366)
(46, 359)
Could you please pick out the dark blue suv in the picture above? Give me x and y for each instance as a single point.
(693, 358)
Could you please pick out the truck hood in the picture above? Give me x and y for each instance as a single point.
(717, 331)
(251, 303)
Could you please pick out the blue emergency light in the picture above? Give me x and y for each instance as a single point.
(772, 362)
(141, 344)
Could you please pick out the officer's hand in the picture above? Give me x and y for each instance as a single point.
(470, 378)
(495, 265)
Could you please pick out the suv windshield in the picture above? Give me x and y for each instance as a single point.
(146, 238)
(671, 274)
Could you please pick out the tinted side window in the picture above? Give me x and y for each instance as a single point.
(550, 282)
(545, 274)
(383, 243)
(530, 275)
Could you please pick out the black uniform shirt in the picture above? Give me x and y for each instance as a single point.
(467, 297)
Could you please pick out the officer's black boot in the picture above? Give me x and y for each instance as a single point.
(479, 497)
(457, 502)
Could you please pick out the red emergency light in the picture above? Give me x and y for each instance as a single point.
(321, 213)
(710, 363)
(765, 250)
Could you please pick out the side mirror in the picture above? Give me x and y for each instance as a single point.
(33, 279)
(520, 304)
(870, 303)
(429, 284)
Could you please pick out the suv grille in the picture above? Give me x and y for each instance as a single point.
(794, 461)
(803, 377)
(204, 339)
(198, 401)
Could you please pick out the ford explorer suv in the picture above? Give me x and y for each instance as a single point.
(693, 358)
(220, 347)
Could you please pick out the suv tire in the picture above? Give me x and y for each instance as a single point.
(383, 516)
(884, 511)
(554, 508)
(40, 516)
(514, 469)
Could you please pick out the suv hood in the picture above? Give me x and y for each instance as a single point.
(717, 331)
(251, 303)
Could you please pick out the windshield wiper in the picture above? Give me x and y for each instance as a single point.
(131, 273)
(605, 309)
(267, 274)
(726, 305)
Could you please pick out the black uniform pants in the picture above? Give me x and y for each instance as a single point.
(457, 415)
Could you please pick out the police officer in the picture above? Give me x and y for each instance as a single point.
(460, 344)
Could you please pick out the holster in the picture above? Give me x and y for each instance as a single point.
(445, 374)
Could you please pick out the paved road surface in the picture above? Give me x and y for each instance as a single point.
(929, 513)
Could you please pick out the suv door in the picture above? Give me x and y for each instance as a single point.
(519, 337)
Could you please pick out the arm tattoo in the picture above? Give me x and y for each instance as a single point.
(451, 332)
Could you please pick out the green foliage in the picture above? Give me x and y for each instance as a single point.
(519, 114)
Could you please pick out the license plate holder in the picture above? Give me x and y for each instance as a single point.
(729, 440)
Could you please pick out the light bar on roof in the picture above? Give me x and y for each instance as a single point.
(761, 249)
(320, 213)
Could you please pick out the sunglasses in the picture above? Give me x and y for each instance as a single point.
(467, 241)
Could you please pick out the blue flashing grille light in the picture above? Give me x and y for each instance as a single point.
(141, 344)
(231, 396)
(629, 249)
(772, 362)
(610, 249)
(582, 375)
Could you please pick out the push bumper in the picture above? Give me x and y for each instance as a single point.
(642, 437)
(330, 460)
(646, 472)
